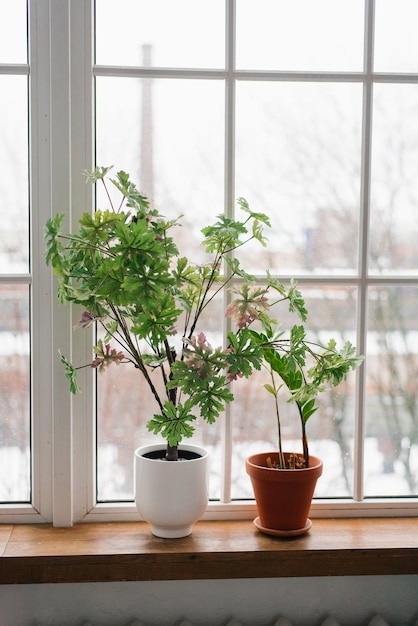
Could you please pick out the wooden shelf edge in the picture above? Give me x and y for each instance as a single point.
(110, 552)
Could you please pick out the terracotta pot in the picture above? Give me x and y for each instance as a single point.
(283, 496)
(171, 495)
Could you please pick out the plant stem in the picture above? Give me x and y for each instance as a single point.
(282, 462)
(135, 354)
(172, 453)
(108, 194)
(304, 437)
(202, 299)
(172, 393)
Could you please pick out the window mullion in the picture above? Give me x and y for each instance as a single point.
(84, 492)
(42, 291)
(227, 443)
(364, 247)
(61, 202)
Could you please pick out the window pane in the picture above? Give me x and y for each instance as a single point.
(396, 38)
(177, 158)
(298, 160)
(391, 446)
(332, 313)
(14, 394)
(13, 32)
(13, 175)
(184, 33)
(125, 404)
(300, 35)
(394, 215)
(124, 407)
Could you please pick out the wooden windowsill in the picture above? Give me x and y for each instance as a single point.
(105, 552)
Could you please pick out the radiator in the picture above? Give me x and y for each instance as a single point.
(377, 620)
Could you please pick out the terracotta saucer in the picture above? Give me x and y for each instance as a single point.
(283, 533)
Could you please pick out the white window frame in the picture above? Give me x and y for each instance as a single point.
(61, 132)
(355, 506)
(60, 96)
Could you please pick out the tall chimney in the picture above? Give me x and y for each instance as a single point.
(146, 174)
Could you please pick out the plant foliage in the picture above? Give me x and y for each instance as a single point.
(124, 268)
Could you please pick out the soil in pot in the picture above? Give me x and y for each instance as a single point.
(184, 455)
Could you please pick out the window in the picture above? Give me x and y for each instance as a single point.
(15, 278)
(302, 108)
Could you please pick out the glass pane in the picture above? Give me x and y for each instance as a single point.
(125, 404)
(13, 46)
(298, 160)
(395, 36)
(391, 446)
(172, 145)
(14, 175)
(332, 313)
(323, 35)
(14, 394)
(394, 191)
(184, 33)
(170, 141)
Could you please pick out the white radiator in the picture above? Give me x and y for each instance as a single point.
(377, 620)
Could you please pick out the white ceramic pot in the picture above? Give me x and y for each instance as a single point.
(171, 495)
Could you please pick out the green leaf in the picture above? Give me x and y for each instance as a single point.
(111, 328)
(97, 226)
(270, 389)
(212, 397)
(237, 270)
(261, 217)
(55, 253)
(200, 376)
(98, 174)
(243, 355)
(70, 374)
(296, 301)
(292, 294)
(308, 409)
(223, 235)
(174, 423)
(134, 198)
(157, 318)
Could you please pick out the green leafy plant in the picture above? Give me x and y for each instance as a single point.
(303, 367)
(124, 268)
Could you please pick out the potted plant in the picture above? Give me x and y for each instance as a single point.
(284, 482)
(124, 268)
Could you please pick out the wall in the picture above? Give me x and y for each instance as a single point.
(305, 601)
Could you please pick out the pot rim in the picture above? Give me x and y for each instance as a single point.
(314, 460)
(254, 468)
(154, 447)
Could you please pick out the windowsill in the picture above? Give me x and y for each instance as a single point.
(127, 551)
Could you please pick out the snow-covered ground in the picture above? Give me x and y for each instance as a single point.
(332, 484)
(15, 472)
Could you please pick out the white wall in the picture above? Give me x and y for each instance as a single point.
(259, 602)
